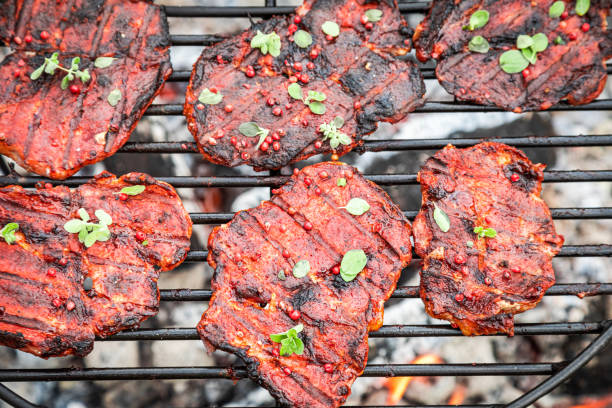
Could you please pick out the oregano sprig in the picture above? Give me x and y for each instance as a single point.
(8, 232)
(89, 232)
(51, 64)
(289, 340)
(267, 43)
(314, 100)
(252, 129)
(332, 132)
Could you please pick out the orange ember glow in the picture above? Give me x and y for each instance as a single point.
(397, 385)
(458, 395)
(604, 402)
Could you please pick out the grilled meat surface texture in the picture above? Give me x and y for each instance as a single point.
(574, 69)
(366, 76)
(255, 293)
(479, 282)
(56, 295)
(52, 131)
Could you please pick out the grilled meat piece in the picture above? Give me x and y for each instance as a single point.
(55, 132)
(366, 76)
(256, 294)
(56, 295)
(479, 282)
(574, 69)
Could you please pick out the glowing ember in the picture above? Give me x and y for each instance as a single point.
(604, 402)
(397, 385)
(458, 395)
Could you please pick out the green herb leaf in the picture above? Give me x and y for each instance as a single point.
(317, 108)
(249, 129)
(301, 268)
(114, 97)
(330, 131)
(289, 340)
(8, 232)
(302, 39)
(490, 233)
(133, 190)
(210, 98)
(559, 40)
(557, 8)
(357, 206)
(37, 72)
(469, 244)
(315, 96)
(103, 62)
(530, 55)
(513, 61)
(477, 20)
(331, 28)
(83, 214)
(441, 218)
(50, 66)
(83, 75)
(352, 264)
(65, 81)
(103, 217)
(582, 6)
(263, 133)
(281, 275)
(338, 122)
(74, 226)
(341, 182)
(267, 43)
(479, 44)
(74, 64)
(373, 15)
(540, 42)
(145, 243)
(524, 41)
(295, 91)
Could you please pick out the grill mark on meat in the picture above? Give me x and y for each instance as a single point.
(106, 13)
(123, 271)
(245, 255)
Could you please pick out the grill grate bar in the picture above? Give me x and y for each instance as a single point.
(371, 370)
(552, 176)
(197, 255)
(385, 331)
(404, 292)
(401, 144)
(429, 107)
(557, 213)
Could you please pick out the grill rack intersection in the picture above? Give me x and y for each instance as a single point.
(558, 371)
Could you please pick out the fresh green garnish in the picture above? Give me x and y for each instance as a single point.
(469, 244)
(485, 232)
(302, 38)
(477, 20)
(208, 97)
(114, 97)
(373, 15)
(145, 242)
(8, 232)
(352, 264)
(289, 340)
(540, 42)
(51, 64)
(559, 40)
(103, 62)
(524, 41)
(513, 61)
(267, 43)
(441, 218)
(341, 182)
(252, 129)
(281, 275)
(301, 268)
(132, 190)
(357, 206)
(332, 132)
(582, 6)
(313, 100)
(331, 28)
(557, 8)
(90, 232)
(478, 44)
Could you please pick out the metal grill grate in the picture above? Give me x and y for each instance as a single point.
(558, 372)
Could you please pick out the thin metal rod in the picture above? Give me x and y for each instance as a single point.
(405, 292)
(402, 144)
(14, 400)
(198, 255)
(535, 329)
(429, 107)
(203, 11)
(579, 361)
(557, 213)
(374, 370)
(552, 176)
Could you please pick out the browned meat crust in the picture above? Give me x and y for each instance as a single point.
(250, 301)
(45, 307)
(367, 67)
(54, 132)
(575, 70)
(479, 288)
